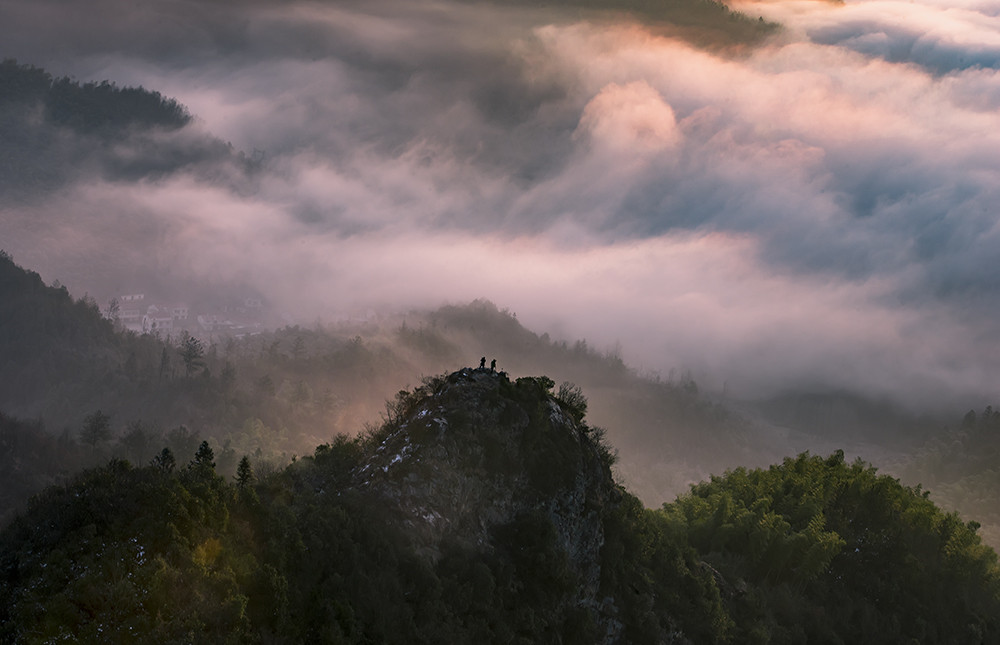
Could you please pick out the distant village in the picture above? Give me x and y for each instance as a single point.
(233, 317)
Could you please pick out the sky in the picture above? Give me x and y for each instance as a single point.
(818, 212)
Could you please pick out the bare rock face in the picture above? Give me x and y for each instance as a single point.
(491, 464)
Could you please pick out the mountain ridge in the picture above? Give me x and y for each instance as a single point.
(483, 509)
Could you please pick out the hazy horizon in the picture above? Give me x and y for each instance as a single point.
(816, 212)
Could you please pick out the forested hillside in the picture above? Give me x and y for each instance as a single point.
(101, 393)
(86, 106)
(77, 392)
(962, 468)
(483, 509)
(439, 523)
(835, 552)
(707, 23)
(58, 129)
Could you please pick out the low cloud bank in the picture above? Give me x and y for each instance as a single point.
(819, 212)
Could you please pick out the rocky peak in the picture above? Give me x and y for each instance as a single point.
(468, 456)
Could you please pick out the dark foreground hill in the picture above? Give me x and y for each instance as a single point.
(484, 510)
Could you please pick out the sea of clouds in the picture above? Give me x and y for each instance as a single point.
(816, 212)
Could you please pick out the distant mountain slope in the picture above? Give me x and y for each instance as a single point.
(85, 107)
(49, 342)
(483, 510)
(280, 393)
(706, 23)
(962, 469)
(57, 129)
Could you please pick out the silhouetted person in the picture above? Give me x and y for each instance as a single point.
(493, 365)
(482, 363)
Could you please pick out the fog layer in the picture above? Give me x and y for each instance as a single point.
(817, 212)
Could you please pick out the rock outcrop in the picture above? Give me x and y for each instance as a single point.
(473, 456)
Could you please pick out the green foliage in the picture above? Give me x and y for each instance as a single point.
(204, 459)
(810, 550)
(658, 579)
(832, 551)
(340, 457)
(127, 555)
(165, 462)
(244, 474)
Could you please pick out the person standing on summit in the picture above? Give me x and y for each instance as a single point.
(493, 365)
(482, 363)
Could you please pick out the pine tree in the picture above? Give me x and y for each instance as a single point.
(204, 458)
(165, 461)
(244, 473)
(192, 352)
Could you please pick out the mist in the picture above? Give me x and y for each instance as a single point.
(817, 211)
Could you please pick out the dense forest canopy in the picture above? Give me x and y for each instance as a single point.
(865, 558)
(328, 549)
(86, 107)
